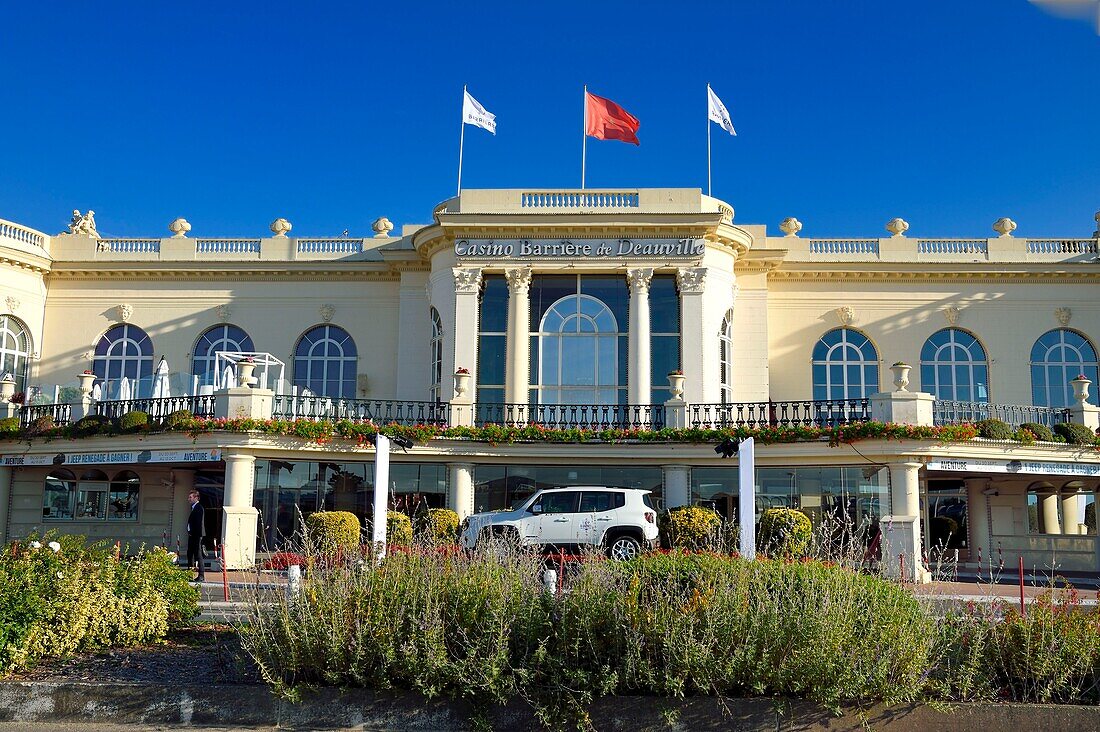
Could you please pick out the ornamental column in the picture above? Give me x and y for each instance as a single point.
(467, 291)
(239, 517)
(639, 380)
(517, 368)
(695, 348)
(1072, 517)
(677, 486)
(901, 531)
(460, 489)
(1051, 523)
(977, 518)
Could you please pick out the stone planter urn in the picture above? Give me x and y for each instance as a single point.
(901, 375)
(244, 373)
(676, 384)
(1080, 389)
(462, 383)
(86, 382)
(7, 388)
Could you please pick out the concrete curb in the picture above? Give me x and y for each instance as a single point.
(254, 705)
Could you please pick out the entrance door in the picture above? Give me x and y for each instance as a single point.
(946, 525)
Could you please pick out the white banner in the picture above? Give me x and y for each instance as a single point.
(1023, 467)
(110, 458)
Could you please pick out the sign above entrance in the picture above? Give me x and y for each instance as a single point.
(112, 458)
(578, 248)
(1022, 467)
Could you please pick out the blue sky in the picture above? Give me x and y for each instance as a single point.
(947, 113)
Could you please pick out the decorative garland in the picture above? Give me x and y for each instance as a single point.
(363, 432)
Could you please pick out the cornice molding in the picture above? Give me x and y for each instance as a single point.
(970, 277)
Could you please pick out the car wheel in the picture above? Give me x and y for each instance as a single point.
(623, 548)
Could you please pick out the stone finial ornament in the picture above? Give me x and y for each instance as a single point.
(125, 312)
(83, 225)
(951, 314)
(327, 311)
(845, 314)
(790, 226)
(382, 227)
(1004, 226)
(897, 226)
(1063, 315)
(280, 227)
(179, 228)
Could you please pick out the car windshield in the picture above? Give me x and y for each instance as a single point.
(518, 503)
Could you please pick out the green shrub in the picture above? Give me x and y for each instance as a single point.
(81, 598)
(9, 426)
(399, 529)
(133, 421)
(785, 532)
(439, 527)
(1076, 434)
(689, 527)
(994, 429)
(93, 424)
(177, 418)
(1041, 431)
(40, 426)
(330, 532)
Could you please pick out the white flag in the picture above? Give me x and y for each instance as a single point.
(475, 114)
(717, 112)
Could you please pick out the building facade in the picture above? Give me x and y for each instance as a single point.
(641, 309)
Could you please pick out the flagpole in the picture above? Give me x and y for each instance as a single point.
(461, 137)
(708, 139)
(584, 134)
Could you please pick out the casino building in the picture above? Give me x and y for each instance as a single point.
(642, 308)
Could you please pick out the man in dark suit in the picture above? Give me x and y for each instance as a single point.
(196, 530)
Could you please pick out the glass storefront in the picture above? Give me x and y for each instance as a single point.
(500, 486)
(287, 491)
(947, 523)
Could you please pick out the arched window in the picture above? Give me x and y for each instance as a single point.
(325, 362)
(122, 502)
(125, 351)
(1056, 358)
(15, 350)
(953, 366)
(437, 356)
(59, 496)
(91, 496)
(845, 365)
(218, 338)
(578, 353)
(725, 363)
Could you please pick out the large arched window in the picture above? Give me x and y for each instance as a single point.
(15, 350)
(437, 356)
(59, 496)
(325, 362)
(122, 502)
(578, 353)
(953, 366)
(218, 338)
(845, 366)
(1056, 358)
(125, 351)
(725, 355)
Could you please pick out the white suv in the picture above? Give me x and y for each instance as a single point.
(620, 520)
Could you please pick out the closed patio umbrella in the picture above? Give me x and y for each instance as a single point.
(124, 390)
(161, 390)
(229, 377)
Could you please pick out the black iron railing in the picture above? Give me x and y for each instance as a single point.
(317, 409)
(60, 413)
(945, 411)
(199, 406)
(570, 416)
(810, 413)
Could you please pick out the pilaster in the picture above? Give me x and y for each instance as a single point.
(517, 367)
(467, 292)
(677, 486)
(691, 282)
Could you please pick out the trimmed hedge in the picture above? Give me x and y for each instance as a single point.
(689, 527)
(994, 429)
(439, 527)
(93, 424)
(178, 418)
(9, 426)
(1041, 431)
(785, 532)
(1076, 434)
(133, 421)
(330, 532)
(399, 529)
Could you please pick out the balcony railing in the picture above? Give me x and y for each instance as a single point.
(157, 409)
(953, 412)
(572, 416)
(60, 413)
(820, 413)
(615, 200)
(380, 412)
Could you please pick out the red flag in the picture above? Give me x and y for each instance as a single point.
(606, 120)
